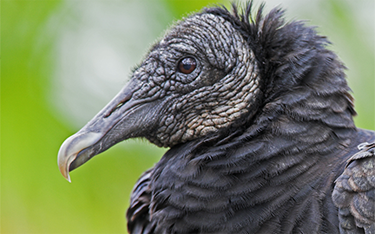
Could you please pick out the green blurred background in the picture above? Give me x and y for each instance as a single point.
(62, 61)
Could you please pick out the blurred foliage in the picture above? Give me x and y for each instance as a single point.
(34, 196)
(181, 8)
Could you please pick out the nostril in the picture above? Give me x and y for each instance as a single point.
(120, 104)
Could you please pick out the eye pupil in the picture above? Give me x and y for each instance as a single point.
(187, 65)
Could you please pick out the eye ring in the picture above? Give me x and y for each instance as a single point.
(187, 65)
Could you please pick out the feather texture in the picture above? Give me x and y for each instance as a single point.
(275, 173)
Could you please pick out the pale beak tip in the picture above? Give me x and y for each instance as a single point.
(64, 171)
(65, 157)
(72, 147)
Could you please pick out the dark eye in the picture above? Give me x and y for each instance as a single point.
(186, 65)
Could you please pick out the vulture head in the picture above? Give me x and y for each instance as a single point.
(202, 78)
(215, 74)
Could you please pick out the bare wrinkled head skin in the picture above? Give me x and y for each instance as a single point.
(200, 78)
(219, 90)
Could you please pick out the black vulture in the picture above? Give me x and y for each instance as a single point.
(258, 117)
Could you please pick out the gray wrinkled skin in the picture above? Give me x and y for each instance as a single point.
(220, 90)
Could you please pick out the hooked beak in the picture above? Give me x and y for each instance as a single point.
(120, 119)
(71, 147)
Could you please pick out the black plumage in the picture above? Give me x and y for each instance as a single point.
(258, 117)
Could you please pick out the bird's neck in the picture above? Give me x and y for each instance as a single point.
(279, 162)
